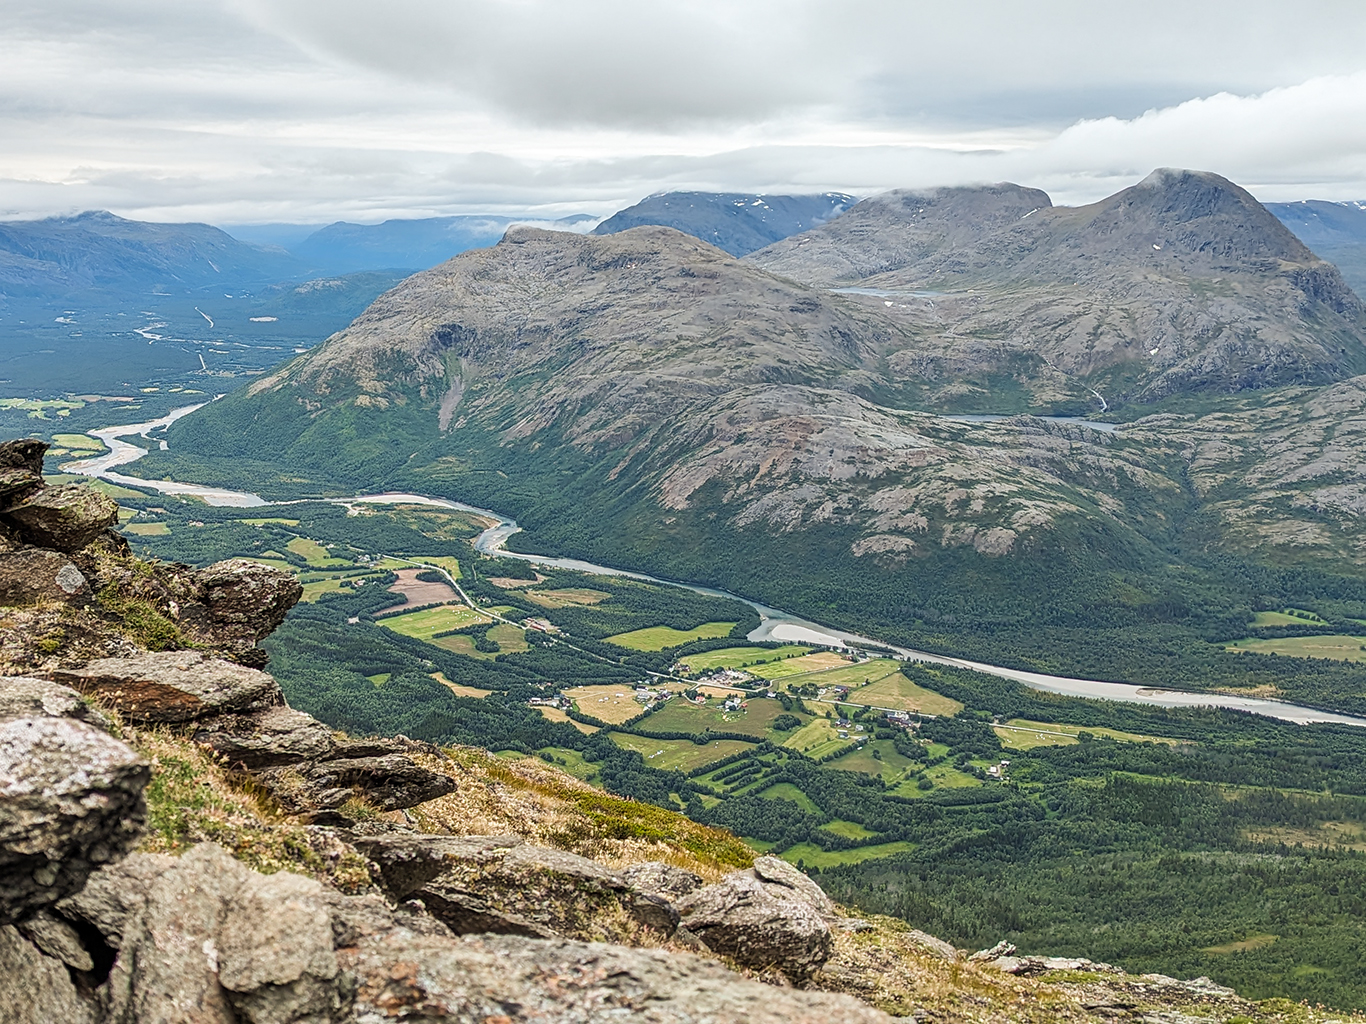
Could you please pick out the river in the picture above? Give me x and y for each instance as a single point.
(774, 624)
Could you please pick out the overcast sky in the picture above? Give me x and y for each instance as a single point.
(249, 111)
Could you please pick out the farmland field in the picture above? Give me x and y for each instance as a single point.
(741, 657)
(812, 855)
(1339, 648)
(1288, 617)
(560, 715)
(679, 716)
(1022, 734)
(313, 553)
(817, 662)
(658, 638)
(509, 638)
(815, 739)
(683, 755)
(890, 767)
(147, 529)
(417, 592)
(576, 596)
(611, 704)
(896, 691)
(849, 829)
(787, 791)
(459, 689)
(422, 625)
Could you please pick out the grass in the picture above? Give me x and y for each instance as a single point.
(817, 662)
(659, 638)
(509, 638)
(848, 829)
(896, 691)
(421, 625)
(1242, 946)
(680, 716)
(1337, 647)
(943, 776)
(79, 442)
(268, 521)
(147, 529)
(459, 689)
(890, 766)
(570, 596)
(681, 755)
(380, 678)
(610, 704)
(1023, 734)
(812, 855)
(787, 791)
(560, 715)
(313, 553)
(740, 657)
(448, 562)
(815, 739)
(1287, 617)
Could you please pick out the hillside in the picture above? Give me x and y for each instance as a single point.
(736, 223)
(64, 257)
(1179, 284)
(173, 834)
(1336, 231)
(646, 400)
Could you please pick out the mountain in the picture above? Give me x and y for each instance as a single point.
(644, 399)
(98, 252)
(734, 222)
(403, 244)
(1336, 231)
(1181, 283)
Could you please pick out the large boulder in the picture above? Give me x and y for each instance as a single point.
(264, 739)
(663, 880)
(514, 980)
(22, 697)
(36, 988)
(390, 783)
(503, 885)
(67, 517)
(24, 453)
(763, 923)
(17, 484)
(172, 686)
(240, 602)
(72, 801)
(31, 575)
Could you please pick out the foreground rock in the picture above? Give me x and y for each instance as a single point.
(172, 686)
(764, 918)
(502, 885)
(66, 518)
(70, 801)
(30, 575)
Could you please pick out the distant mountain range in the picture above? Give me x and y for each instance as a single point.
(1336, 231)
(735, 222)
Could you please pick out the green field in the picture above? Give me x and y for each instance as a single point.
(740, 657)
(79, 442)
(509, 638)
(147, 529)
(680, 716)
(448, 562)
(1023, 734)
(890, 766)
(659, 638)
(787, 791)
(815, 739)
(683, 755)
(1338, 647)
(816, 661)
(269, 521)
(944, 776)
(844, 674)
(421, 625)
(313, 553)
(896, 691)
(812, 855)
(1288, 617)
(848, 829)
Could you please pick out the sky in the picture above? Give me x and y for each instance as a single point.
(304, 111)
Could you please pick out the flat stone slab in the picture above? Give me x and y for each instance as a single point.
(172, 686)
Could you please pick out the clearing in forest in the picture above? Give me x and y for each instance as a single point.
(610, 704)
(561, 715)
(1023, 734)
(578, 596)
(314, 553)
(1338, 648)
(417, 592)
(422, 625)
(459, 689)
(812, 855)
(739, 657)
(658, 638)
(896, 691)
(509, 638)
(679, 755)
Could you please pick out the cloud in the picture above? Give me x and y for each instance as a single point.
(266, 110)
